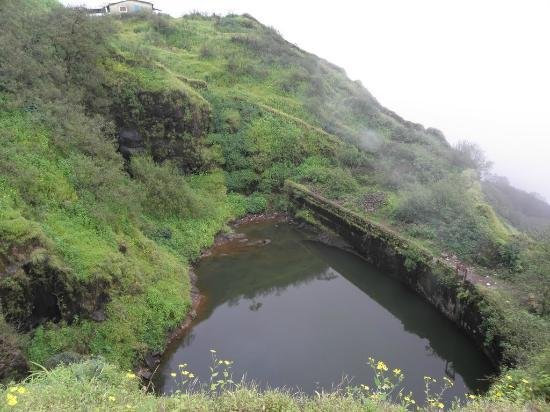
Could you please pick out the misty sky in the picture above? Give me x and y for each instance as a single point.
(477, 70)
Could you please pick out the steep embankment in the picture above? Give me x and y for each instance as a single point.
(128, 143)
(94, 247)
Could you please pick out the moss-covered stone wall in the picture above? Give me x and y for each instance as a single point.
(431, 277)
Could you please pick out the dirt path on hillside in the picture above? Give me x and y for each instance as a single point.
(471, 275)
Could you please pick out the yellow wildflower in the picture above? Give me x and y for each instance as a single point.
(11, 399)
(130, 375)
(173, 374)
(525, 381)
(397, 371)
(381, 366)
(191, 376)
(508, 377)
(112, 398)
(440, 405)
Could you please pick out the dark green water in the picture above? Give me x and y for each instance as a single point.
(300, 314)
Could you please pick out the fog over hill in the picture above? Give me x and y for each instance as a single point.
(474, 71)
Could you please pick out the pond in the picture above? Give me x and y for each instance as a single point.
(293, 312)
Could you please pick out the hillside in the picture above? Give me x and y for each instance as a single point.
(128, 144)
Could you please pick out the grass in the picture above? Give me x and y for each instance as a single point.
(148, 284)
(100, 386)
(97, 230)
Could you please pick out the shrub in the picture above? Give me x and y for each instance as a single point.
(333, 182)
(510, 255)
(351, 157)
(256, 203)
(166, 191)
(273, 179)
(244, 180)
(275, 140)
(469, 155)
(232, 120)
(450, 207)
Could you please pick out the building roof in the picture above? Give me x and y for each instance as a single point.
(123, 1)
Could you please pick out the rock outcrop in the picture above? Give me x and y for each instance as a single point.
(168, 125)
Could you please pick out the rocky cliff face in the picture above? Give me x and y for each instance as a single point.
(168, 125)
(36, 288)
(13, 364)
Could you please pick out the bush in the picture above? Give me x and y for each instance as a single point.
(242, 205)
(256, 203)
(510, 255)
(244, 181)
(332, 181)
(167, 193)
(351, 157)
(232, 120)
(450, 207)
(469, 155)
(273, 179)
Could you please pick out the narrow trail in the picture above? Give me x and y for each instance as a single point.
(469, 273)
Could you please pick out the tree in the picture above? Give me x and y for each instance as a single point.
(470, 156)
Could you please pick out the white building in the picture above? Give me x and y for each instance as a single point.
(126, 7)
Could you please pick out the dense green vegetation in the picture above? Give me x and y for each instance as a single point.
(127, 144)
(104, 387)
(74, 223)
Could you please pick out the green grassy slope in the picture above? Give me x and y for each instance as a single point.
(279, 112)
(127, 144)
(55, 223)
(80, 239)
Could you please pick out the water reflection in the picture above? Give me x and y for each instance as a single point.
(297, 313)
(416, 316)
